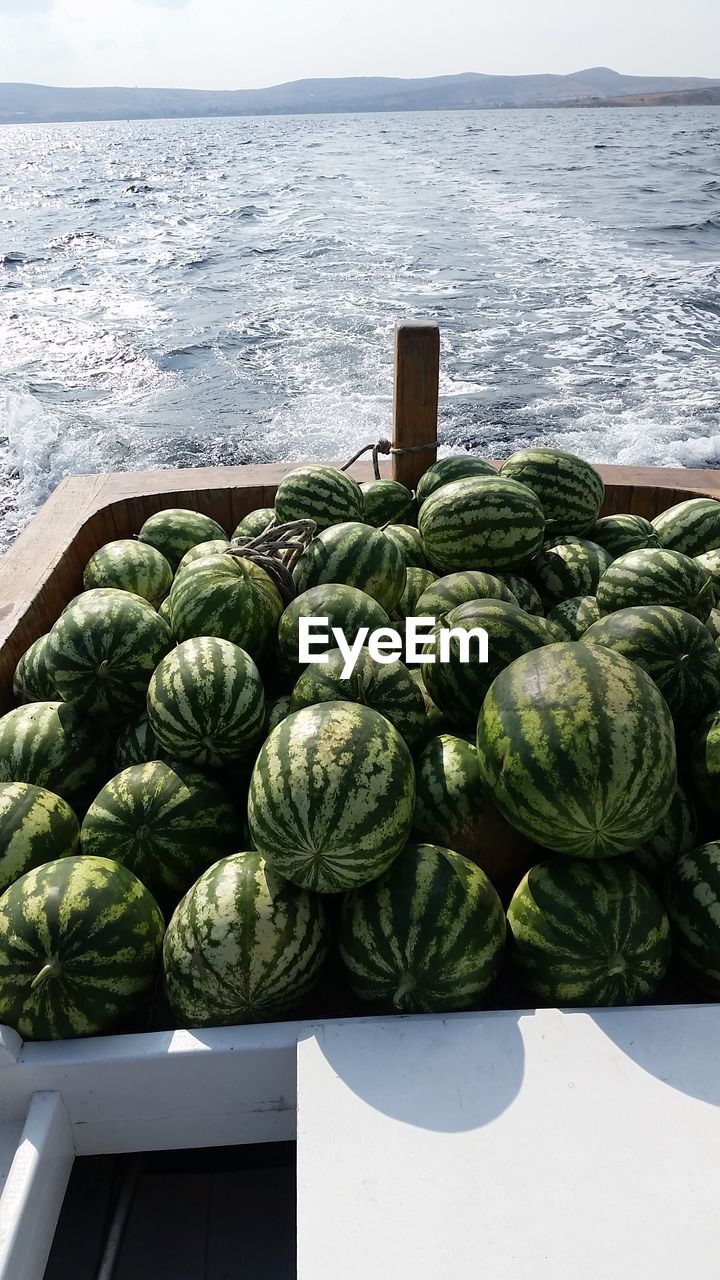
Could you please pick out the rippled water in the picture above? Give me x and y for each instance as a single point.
(201, 292)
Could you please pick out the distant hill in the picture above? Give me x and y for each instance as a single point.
(707, 97)
(24, 103)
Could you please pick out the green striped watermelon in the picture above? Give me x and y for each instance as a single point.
(215, 547)
(175, 530)
(710, 562)
(570, 567)
(243, 945)
(386, 501)
(570, 490)
(345, 607)
(571, 618)
(453, 808)
(102, 653)
(656, 576)
(137, 744)
(255, 523)
(107, 595)
(676, 834)
(331, 796)
(486, 522)
(705, 760)
(622, 533)
(318, 492)
(675, 649)
(57, 746)
(713, 624)
(461, 466)
(577, 748)
(80, 942)
(165, 823)
(417, 581)
(277, 709)
(130, 566)
(387, 687)
(428, 937)
(523, 592)
(588, 933)
(354, 555)
(164, 612)
(692, 527)
(36, 826)
(461, 588)
(226, 597)
(410, 543)
(458, 687)
(692, 898)
(32, 681)
(206, 702)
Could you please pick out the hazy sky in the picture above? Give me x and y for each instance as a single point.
(249, 43)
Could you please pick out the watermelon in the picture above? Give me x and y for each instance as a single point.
(277, 709)
(130, 566)
(435, 721)
(108, 595)
(58, 746)
(243, 945)
(622, 533)
(255, 523)
(692, 898)
(226, 597)
(588, 933)
(675, 649)
(165, 823)
(80, 942)
(705, 760)
(32, 681)
(459, 466)
(452, 807)
(410, 543)
(175, 530)
(215, 547)
(569, 489)
(387, 687)
(345, 607)
(428, 937)
(676, 834)
(101, 654)
(486, 522)
(417, 581)
(355, 555)
(692, 527)
(577, 747)
(523, 592)
(458, 687)
(656, 576)
(331, 796)
(36, 826)
(318, 492)
(461, 588)
(570, 567)
(386, 501)
(137, 744)
(571, 618)
(713, 624)
(164, 612)
(206, 702)
(710, 562)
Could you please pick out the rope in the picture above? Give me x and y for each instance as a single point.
(385, 446)
(276, 550)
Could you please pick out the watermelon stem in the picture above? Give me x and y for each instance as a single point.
(407, 985)
(50, 970)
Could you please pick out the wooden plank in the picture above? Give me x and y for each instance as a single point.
(542, 1146)
(415, 400)
(33, 1194)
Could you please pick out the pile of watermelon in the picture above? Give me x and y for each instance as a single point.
(196, 830)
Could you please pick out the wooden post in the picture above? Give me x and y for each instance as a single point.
(415, 404)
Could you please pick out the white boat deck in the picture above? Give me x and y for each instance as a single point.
(522, 1145)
